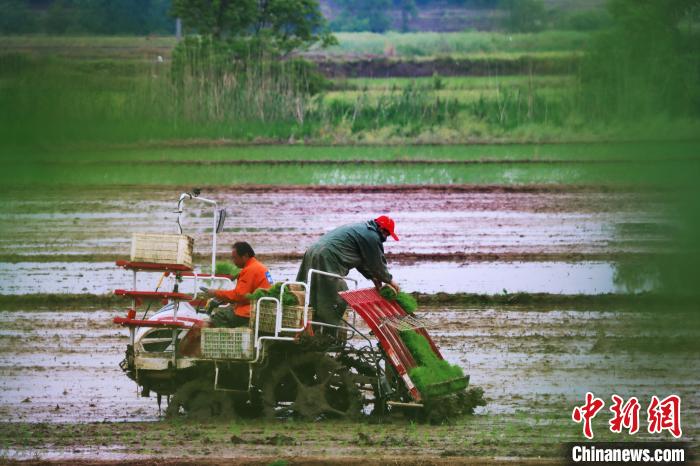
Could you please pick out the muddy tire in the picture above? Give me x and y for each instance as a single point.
(197, 399)
(310, 386)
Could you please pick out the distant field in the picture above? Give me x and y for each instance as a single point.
(301, 153)
(90, 47)
(422, 44)
(298, 174)
(285, 165)
(417, 44)
(463, 89)
(471, 83)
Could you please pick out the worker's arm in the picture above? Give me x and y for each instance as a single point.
(378, 284)
(238, 294)
(374, 261)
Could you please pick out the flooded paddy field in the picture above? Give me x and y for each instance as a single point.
(285, 221)
(62, 394)
(574, 278)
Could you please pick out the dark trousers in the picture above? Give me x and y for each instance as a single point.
(227, 319)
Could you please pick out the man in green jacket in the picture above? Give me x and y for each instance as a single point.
(359, 246)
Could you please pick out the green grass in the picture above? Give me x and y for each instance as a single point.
(208, 166)
(301, 152)
(106, 100)
(91, 47)
(462, 96)
(421, 44)
(453, 82)
(28, 174)
(53, 103)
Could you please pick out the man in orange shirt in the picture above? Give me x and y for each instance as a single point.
(253, 275)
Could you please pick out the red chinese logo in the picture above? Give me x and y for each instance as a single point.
(587, 412)
(661, 415)
(665, 415)
(625, 415)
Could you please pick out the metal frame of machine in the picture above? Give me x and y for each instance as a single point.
(380, 368)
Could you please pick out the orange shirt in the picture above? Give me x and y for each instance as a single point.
(254, 275)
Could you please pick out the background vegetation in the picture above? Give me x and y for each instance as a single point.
(243, 78)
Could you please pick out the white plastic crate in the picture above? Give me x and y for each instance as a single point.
(162, 249)
(227, 343)
(292, 316)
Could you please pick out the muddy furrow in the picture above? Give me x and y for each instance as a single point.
(63, 366)
(286, 222)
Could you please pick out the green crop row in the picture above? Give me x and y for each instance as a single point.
(116, 173)
(420, 44)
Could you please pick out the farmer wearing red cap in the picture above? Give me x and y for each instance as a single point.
(356, 246)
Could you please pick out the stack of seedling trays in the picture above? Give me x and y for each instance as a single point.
(227, 343)
(162, 249)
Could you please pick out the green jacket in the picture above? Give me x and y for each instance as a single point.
(355, 246)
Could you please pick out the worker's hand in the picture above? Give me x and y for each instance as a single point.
(208, 291)
(395, 286)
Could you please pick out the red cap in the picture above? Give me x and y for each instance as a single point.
(388, 224)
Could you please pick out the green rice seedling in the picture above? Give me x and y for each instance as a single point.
(289, 299)
(407, 302)
(432, 373)
(227, 268)
(388, 292)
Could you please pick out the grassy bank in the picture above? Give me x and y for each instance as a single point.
(52, 103)
(506, 165)
(301, 153)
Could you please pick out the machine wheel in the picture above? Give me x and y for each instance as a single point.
(197, 399)
(310, 386)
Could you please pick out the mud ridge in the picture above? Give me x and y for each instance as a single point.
(41, 301)
(301, 162)
(380, 67)
(306, 460)
(404, 258)
(363, 188)
(259, 141)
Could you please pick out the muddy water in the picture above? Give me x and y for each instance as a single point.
(424, 277)
(62, 366)
(101, 220)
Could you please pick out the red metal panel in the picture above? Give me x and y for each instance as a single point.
(167, 323)
(375, 311)
(153, 267)
(153, 295)
(206, 275)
